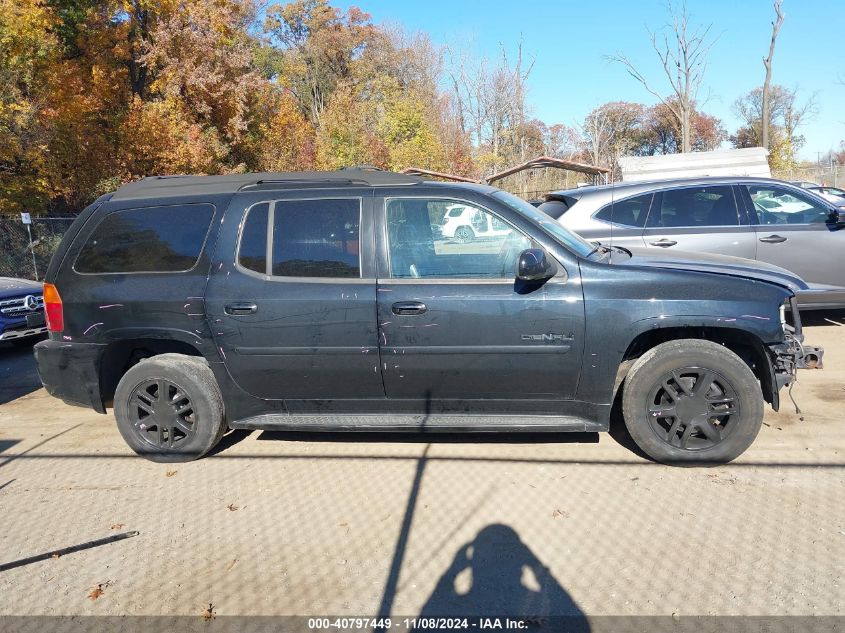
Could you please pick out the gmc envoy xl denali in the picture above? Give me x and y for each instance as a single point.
(329, 301)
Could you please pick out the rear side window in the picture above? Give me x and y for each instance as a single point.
(629, 212)
(316, 238)
(151, 239)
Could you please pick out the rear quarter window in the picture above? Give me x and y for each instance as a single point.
(150, 239)
(629, 212)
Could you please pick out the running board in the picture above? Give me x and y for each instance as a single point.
(418, 423)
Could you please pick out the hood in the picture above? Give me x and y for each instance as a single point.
(710, 263)
(12, 287)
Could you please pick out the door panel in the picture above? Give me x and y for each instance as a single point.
(704, 219)
(792, 230)
(454, 325)
(299, 324)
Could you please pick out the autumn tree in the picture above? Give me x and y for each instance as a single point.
(787, 115)
(610, 131)
(661, 133)
(321, 44)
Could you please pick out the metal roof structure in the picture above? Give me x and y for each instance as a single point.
(547, 161)
(416, 171)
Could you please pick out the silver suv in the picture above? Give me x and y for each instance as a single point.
(755, 218)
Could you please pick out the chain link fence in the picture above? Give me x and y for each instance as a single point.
(25, 250)
(831, 175)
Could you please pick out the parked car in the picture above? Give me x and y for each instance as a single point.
(21, 311)
(770, 221)
(323, 301)
(832, 194)
(465, 223)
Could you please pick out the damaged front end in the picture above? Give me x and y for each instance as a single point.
(793, 354)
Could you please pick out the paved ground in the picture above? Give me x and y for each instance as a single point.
(289, 524)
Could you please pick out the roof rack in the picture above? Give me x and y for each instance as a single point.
(231, 183)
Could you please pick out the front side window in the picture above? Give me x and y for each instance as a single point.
(630, 212)
(439, 239)
(776, 205)
(151, 239)
(695, 207)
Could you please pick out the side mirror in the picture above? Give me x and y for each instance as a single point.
(838, 218)
(535, 265)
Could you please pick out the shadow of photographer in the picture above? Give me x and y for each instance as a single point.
(497, 575)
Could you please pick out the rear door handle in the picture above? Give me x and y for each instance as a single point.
(773, 239)
(664, 243)
(240, 308)
(405, 308)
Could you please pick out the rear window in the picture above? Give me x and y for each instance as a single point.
(150, 239)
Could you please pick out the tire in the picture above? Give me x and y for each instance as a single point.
(464, 234)
(713, 427)
(180, 430)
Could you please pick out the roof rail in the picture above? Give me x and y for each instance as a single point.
(163, 186)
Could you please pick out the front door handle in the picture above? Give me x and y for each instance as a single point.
(406, 308)
(773, 239)
(240, 308)
(664, 243)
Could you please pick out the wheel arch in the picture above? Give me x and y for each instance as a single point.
(745, 344)
(121, 355)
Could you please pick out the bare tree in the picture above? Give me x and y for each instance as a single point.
(492, 103)
(683, 55)
(767, 62)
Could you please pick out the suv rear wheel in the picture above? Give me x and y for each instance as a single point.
(169, 408)
(692, 401)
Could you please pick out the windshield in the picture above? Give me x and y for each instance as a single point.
(573, 242)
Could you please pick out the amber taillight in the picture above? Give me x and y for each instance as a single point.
(53, 311)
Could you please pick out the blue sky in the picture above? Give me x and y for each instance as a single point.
(570, 39)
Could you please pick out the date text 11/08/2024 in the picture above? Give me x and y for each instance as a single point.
(437, 623)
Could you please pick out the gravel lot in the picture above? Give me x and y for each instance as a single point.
(358, 525)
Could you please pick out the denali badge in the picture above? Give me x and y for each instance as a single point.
(548, 338)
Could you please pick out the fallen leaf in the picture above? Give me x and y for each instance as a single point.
(232, 564)
(55, 556)
(208, 613)
(559, 513)
(342, 525)
(117, 526)
(98, 590)
(170, 473)
(232, 507)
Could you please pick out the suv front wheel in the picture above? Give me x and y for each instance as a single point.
(692, 401)
(169, 408)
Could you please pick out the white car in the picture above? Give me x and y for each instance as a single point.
(464, 224)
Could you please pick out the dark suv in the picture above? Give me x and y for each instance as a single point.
(329, 301)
